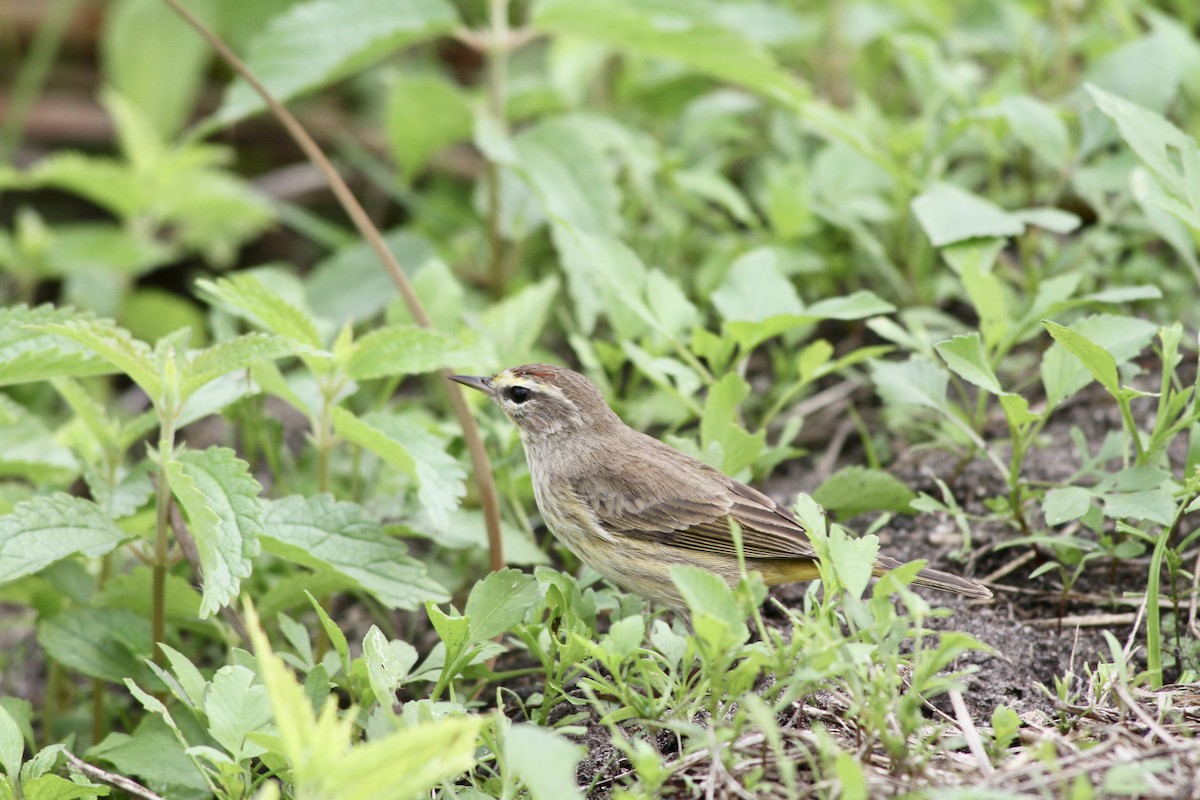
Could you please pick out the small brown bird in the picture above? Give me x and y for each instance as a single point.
(632, 507)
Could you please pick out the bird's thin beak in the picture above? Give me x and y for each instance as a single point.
(478, 382)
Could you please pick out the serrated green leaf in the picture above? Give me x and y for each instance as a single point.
(12, 745)
(49, 528)
(225, 515)
(500, 601)
(544, 761)
(247, 297)
(399, 350)
(1065, 504)
(1063, 374)
(441, 478)
(363, 434)
(235, 354)
(965, 357)
(115, 346)
(855, 490)
(30, 353)
(950, 214)
(28, 450)
(314, 43)
(236, 706)
(405, 764)
(107, 643)
(324, 534)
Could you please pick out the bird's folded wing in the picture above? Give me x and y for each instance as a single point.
(699, 516)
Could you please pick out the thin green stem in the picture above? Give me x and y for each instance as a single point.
(1127, 418)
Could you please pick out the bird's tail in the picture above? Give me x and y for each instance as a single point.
(935, 579)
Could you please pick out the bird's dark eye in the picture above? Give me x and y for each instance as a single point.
(518, 394)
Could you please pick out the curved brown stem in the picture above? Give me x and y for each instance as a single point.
(479, 460)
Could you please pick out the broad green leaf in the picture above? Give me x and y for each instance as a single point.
(55, 787)
(719, 424)
(28, 450)
(155, 59)
(236, 354)
(28, 352)
(107, 643)
(1063, 373)
(569, 175)
(605, 277)
(1155, 140)
(425, 113)
(247, 297)
(12, 745)
(153, 754)
(853, 559)
(850, 776)
(323, 534)
(855, 490)
(755, 290)
(405, 764)
(350, 284)
(441, 478)
(115, 346)
(950, 214)
(1098, 361)
(49, 528)
(388, 664)
(856, 305)
(363, 434)
(500, 601)
(707, 594)
(132, 590)
(918, 381)
(399, 350)
(1065, 504)
(965, 357)
(680, 30)
(235, 706)
(544, 761)
(1155, 505)
(225, 516)
(317, 42)
(1038, 127)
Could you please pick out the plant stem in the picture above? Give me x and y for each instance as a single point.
(488, 497)
(162, 539)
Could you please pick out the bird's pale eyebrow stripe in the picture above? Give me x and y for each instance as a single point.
(524, 378)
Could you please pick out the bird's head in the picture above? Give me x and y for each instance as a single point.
(544, 401)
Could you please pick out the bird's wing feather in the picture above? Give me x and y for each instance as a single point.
(691, 509)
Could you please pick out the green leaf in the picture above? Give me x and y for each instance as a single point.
(30, 451)
(1065, 504)
(155, 59)
(680, 30)
(399, 350)
(12, 744)
(500, 601)
(441, 478)
(755, 290)
(1038, 127)
(856, 490)
(604, 276)
(719, 424)
(405, 764)
(544, 761)
(49, 528)
(235, 354)
(107, 643)
(445, 117)
(1155, 505)
(853, 559)
(361, 433)
(707, 595)
(950, 214)
(225, 515)
(115, 346)
(235, 706)
(918, 381)
(856, 305)
(324, 534)
(569, 175)
(965, 357)
(155, 755)
(973, 262)
(1064, 374)
(512, 327)
(249, 298)
(315, 43)
(388, 664)
(30, 353)
(54, 787)
(1156, 141)
(1098, 361)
